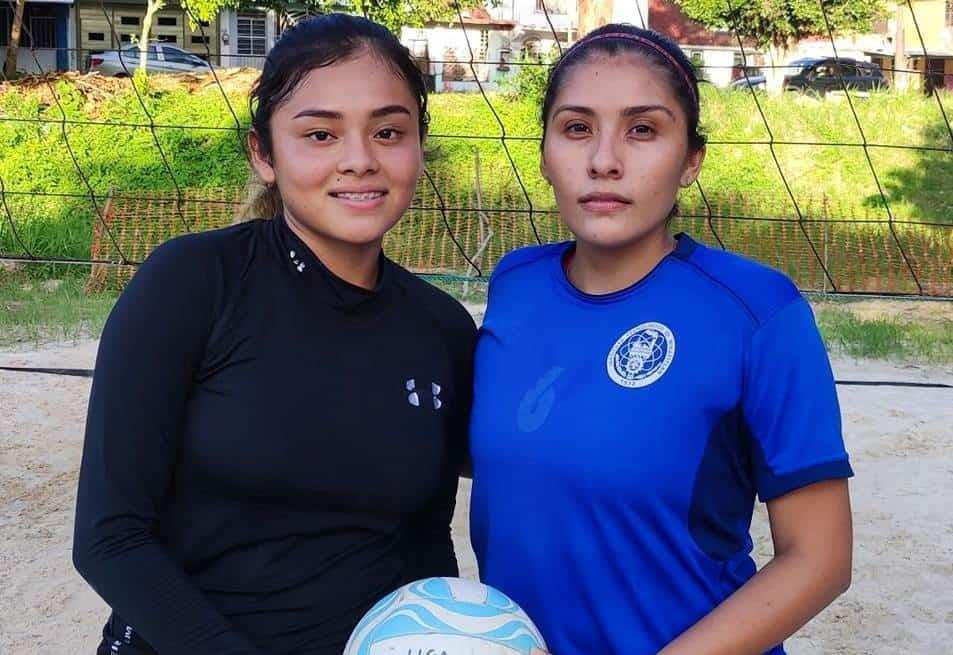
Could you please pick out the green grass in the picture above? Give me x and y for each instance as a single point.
(35, 311)
(929, 340)
(837, 180)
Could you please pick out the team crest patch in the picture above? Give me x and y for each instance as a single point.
(641, 356)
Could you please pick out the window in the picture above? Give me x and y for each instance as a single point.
(531, 49)
(96, 36)
(167, 38)
(38, 32)
(851, 70)
(552, 6)
(128, 20)
(167, 21)
(251, 33)
(484, 44)
(177, 56)
(6, 17)
(419, 48)
(125, 38)
(200, 40)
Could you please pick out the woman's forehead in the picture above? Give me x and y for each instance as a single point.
(357, 85)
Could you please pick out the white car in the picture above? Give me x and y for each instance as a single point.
(160, 58)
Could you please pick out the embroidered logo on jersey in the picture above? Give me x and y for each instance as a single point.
(641, 356)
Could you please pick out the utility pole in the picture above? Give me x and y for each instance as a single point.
(900, 79)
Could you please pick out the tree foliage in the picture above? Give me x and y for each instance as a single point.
(393, 14)
(780, 23)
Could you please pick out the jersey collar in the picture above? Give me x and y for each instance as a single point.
(684, 247)
(336, 292)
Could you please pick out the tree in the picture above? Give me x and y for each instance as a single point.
(777, 25)
(10, 63)
(393, 14)
(152, 6)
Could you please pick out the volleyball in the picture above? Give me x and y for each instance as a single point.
(445, 616)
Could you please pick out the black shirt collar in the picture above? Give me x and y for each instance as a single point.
(337, 292)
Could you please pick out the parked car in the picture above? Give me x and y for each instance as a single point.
(160, 58)
(823, 75)
(756, 82)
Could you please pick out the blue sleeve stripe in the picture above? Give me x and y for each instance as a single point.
(773, 486)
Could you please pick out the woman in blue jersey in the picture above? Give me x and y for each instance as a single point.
(635, 390)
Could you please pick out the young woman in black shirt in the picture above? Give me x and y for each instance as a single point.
(278, 411)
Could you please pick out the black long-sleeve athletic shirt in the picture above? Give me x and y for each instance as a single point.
(269, 450)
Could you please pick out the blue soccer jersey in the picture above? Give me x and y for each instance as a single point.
(619, 440)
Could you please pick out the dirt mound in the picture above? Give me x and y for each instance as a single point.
(96, 88)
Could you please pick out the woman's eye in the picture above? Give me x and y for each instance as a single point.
(642, 130)
(320, 136)
(577, 128)
(389, 134)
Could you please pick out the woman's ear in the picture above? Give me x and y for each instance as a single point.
(693, 166)
(544, 170)
(423, 151)
(260, 158)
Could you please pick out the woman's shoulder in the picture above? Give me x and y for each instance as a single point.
(761, 290)
(435, 301)
(201, 266)
(526, 258)
(195, 248)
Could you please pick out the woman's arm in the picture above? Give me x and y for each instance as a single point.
(150, 349)
(431, 530)
(812, 533)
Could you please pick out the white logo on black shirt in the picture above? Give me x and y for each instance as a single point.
(414, 396)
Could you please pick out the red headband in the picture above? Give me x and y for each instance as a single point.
(647, 43)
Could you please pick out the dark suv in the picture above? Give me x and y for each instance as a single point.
(822, 76)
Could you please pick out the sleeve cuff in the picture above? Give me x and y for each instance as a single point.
(773, 486)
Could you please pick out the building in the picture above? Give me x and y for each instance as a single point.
(931, 59)
(109, 25)
(46, 39)
(497, 38)
(716, 54)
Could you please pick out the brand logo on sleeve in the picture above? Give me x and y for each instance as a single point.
(641, 356)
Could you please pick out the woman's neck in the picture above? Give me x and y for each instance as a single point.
(597, 270)
(356, 264)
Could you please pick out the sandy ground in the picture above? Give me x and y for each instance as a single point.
(900, 439)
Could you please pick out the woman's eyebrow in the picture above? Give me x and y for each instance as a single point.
(336, 115)
(319, 113)
(577, 109)
(390, 109)
(629, 112)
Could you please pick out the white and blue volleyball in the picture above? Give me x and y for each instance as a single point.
(445, 616)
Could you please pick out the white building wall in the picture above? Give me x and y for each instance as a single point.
(446, 45)
(27, 64)
(635, 12)
(229, 39)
